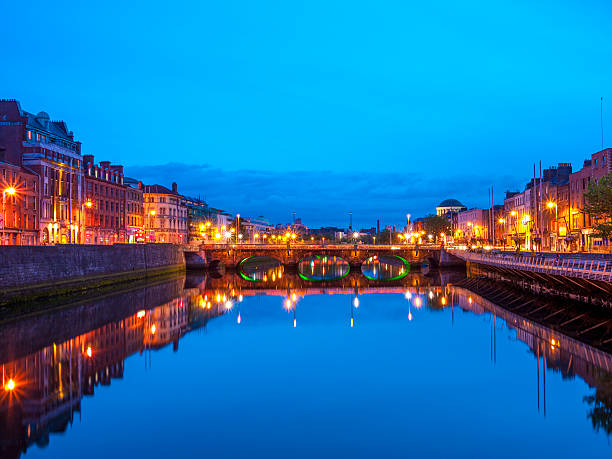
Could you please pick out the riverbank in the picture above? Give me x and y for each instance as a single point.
(31, 272)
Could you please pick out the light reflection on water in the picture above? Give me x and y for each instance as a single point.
(323, 268)
(385, 267)
(261, 269)
(396, 369)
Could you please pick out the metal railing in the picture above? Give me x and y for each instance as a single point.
(586, 268)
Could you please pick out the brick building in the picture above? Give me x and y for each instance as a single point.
(134, 211)
(46, 148)
(104, 202)
(581, 223)
(533, 217)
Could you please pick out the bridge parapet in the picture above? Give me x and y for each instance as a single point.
(355, 255)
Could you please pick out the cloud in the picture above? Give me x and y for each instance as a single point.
(321, 198)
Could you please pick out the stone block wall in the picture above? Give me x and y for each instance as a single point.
(31, 266)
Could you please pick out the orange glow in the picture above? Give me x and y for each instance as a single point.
(443, 301)
(239, 319)
(10, 191)
(140, 314)
(88, 351)
(89, 204)
(153, 328)
(10, 385)
(470, 300)
(351, 322)
(294, 323)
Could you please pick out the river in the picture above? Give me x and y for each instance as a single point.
(235, 366)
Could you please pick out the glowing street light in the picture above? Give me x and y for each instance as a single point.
(10, 385)
(11, 192)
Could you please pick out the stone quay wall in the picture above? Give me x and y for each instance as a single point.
(30, 271)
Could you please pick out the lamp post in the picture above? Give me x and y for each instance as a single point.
(11, 192)
(237, 226)
(550, 205)
(87, 204)
(151, 215)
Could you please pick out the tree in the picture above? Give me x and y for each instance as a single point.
(435, 224)
(598, 203)
(600, 402)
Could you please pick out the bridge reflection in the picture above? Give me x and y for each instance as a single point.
(51, 376)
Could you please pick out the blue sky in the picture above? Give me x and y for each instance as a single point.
(379, 108)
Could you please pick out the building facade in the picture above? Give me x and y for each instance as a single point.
(472, 225)
(165, 214)
(104, 203)
(48, 149)
(134, 211)
(581, 223)
(534, 218)
(199, 219)
(19, 218)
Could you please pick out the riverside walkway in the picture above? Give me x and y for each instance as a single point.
(594, 268)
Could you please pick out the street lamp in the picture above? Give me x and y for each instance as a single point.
(11, 192)
(152, 214)
(87, 204)
(237, 225)
(550, 205)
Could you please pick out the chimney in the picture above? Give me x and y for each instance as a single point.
(88, 159)
(140, 185)
(105, 164)
(174, 187)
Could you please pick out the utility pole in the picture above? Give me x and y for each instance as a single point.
(601, 120)
(541, 208)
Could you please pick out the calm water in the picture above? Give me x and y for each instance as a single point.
(283, 368)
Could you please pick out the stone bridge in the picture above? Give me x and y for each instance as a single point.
(230, 255)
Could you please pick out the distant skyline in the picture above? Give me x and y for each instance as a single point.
(320, 108)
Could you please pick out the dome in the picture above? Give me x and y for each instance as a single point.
(450, 203)
(43, 115)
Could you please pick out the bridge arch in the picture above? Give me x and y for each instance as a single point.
(257, 268)
(385, 267)
(318, 268)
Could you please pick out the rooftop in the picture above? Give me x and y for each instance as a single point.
(450, 203)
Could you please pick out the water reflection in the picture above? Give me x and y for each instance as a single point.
(44, 388)
(261, 269)
(323, 268)
(385, 267)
